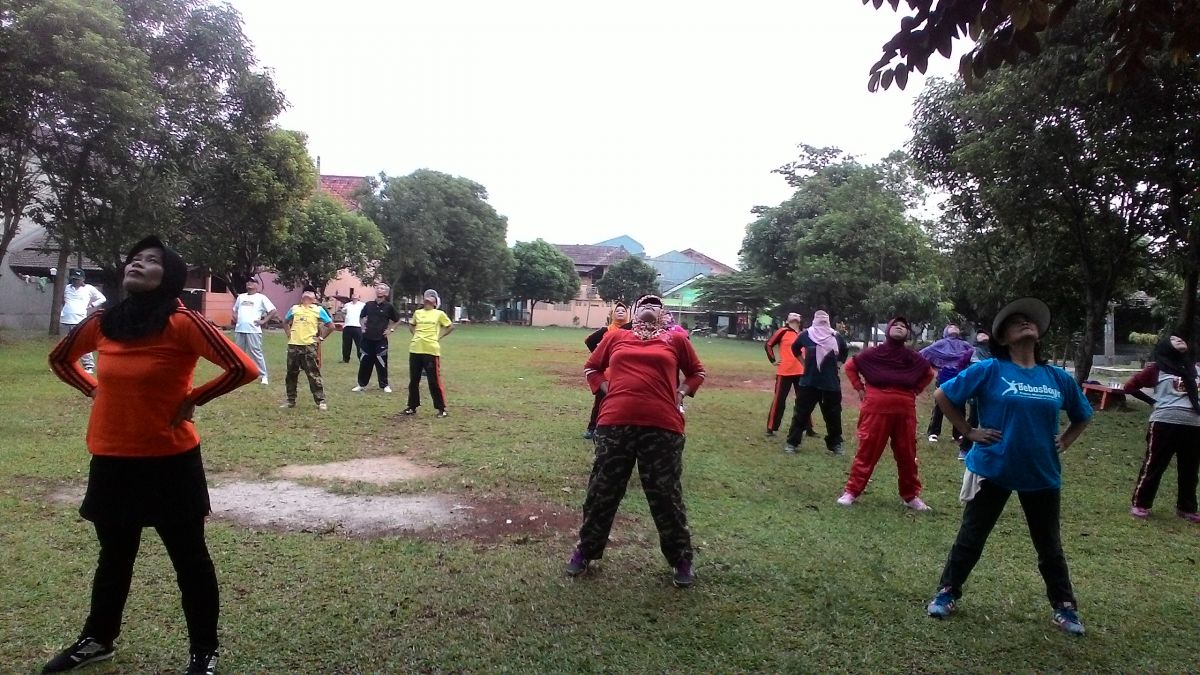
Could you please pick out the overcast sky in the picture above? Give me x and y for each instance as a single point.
(657, 119)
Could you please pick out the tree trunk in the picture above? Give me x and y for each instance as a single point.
(60, 286)
(12, 225)
(1187, 315)
(532, 302)
(1093, 327)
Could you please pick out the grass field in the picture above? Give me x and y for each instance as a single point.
(787, 581)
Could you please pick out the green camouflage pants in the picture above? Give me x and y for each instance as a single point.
(304, 357)
(658, 454)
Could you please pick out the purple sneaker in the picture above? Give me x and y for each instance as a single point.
(1190, 516)
(577, 564)
(684, 576)
(1139, 512)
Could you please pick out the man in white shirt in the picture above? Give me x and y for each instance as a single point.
(79, 299)
(352, 328)
(253, 309)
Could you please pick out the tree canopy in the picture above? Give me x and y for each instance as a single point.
(441, 233)
(1002, 30)
(844, 241)
(1056, 186)
(628, 280)
(323, 238)
(542, 273)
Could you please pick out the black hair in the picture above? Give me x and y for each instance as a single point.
(143, 314)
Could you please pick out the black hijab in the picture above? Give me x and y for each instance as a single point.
(143, 314)
(1180, 364)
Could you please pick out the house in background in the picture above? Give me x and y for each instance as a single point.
(26, 282)
(587, 309)
(678, 272)
(677, 267)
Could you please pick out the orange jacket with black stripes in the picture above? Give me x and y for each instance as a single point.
(140, 385)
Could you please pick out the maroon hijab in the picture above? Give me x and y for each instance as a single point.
(892, 365)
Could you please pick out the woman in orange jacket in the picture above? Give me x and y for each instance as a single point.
(146, 469)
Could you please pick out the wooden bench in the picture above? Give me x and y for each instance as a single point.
(1103, 396)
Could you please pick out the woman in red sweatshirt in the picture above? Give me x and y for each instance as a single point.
(146, 469)
(641, 422)
(893, 376)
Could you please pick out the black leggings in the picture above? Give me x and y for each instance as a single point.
(193, 569)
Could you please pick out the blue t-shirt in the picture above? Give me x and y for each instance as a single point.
(1023, 404)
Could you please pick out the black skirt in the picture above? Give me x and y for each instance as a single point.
(146, 491)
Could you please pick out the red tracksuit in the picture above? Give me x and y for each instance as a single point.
(886, 413)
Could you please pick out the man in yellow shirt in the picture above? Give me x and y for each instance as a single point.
(428, 326)
(306, 324)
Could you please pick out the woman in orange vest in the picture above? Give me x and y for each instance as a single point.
(619, 320)
(787, 371)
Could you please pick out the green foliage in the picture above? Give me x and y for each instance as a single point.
(243, 200)
(843, 241)
(1005, 32)
(542, 273)
(740, 291)
(628, 280)
(1144, 339)
(324, 238)
(441, 233)
(1056, 188)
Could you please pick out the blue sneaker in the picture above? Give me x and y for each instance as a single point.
(588, 434)
(1067, 619)
(942, 604)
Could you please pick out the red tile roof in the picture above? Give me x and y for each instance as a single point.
(343, 188)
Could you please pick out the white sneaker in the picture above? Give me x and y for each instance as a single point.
(263, 380)
(322, 406)
(846, 499)
(933, 438)
(387, 390)
(917, 505)
(359, 389)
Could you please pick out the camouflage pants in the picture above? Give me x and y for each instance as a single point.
(304, 357)
(658, 454)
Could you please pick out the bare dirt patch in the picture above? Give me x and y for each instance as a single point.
(283, 505)
(374, 470)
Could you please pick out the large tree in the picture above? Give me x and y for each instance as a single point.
(1140, 31)
(1056, 185)
(441, 233)
(542, 273)
(92, 99)
(745, 290)
(628, 280)
(237, 214)
(844, 241)
(323, 238)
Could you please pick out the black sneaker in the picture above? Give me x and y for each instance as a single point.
(85, 650)
(837, 450)
(684, 576)
(442, 413)
(202, 663)
(410, 411)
